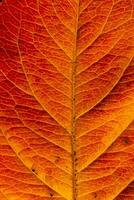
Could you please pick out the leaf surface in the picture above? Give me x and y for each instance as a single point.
(67, 100)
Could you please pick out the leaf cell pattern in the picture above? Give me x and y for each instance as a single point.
(67, 100)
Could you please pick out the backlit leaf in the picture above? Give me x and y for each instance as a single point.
(66, 100)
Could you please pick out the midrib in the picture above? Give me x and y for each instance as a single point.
(73, 125)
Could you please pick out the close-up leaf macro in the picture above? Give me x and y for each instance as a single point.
(66, 100)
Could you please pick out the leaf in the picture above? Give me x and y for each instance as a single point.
(67, 100)
(127, 193)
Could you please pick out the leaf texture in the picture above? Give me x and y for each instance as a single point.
(67, 100)
(127, 193)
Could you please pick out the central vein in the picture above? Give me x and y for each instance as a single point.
(73, 126)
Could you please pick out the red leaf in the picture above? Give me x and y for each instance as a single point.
(67, 100)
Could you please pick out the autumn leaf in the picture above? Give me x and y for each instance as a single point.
(67, 100)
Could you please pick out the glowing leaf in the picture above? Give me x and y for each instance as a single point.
(66, 100)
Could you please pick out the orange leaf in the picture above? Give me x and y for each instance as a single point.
(67, 100)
